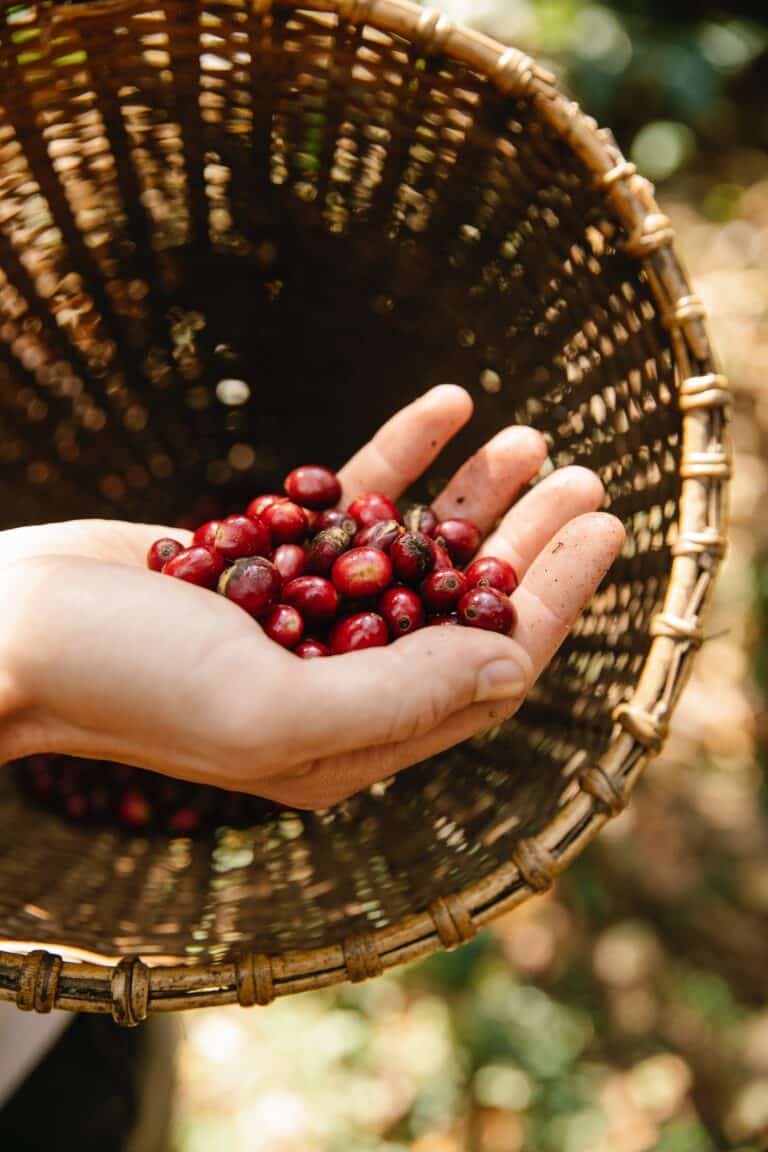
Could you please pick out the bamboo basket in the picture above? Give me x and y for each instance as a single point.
(338, 205)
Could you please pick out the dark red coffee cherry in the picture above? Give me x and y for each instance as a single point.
(334, 518)
(134, 811)
(284, 625)
(461, 539)
(421, 518)
(315, 597)
(443, 588)
(290, 561)
(196, 565)
(185, 821)
(370, 507)
(325, 548)
(491, 572)
(412, 556)
(486, 608)
(363, 630)
(242, 536)
(402, 610)
(381, 535)
(161, 552)
(253, 583)
(76, 807)
(362, 572)
(445, 618)
(287, 522)
(313, 486)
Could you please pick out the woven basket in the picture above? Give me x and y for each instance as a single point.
(339, 205)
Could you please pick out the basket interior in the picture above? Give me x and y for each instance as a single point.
(230, 243)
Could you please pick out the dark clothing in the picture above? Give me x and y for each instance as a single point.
(88, 1092)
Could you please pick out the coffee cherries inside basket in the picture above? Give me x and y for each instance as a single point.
(324, 581)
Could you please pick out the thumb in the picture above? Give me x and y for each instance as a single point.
(387, 695)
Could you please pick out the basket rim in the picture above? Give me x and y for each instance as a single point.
(40, 979)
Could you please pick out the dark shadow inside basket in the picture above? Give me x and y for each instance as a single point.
(335, 260)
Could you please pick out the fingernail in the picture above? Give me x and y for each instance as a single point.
(501, 680)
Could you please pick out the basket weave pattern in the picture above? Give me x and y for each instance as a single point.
(362, 194)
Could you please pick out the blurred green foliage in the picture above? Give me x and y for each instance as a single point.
(699, 72)
(676, 81)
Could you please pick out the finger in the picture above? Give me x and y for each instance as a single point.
(389, 695)
(559, 585)
(407, 444)
(403, 692)
(557, 588)
(485, 486)
(114, 541)
(533, 521)
(332, 780)
(561, 582)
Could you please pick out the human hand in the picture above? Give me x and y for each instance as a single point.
(101, 658)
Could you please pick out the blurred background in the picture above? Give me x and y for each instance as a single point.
(628, 1010)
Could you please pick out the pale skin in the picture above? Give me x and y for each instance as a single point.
(101, 658)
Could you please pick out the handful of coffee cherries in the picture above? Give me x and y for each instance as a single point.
(320, 581)
(323, 581)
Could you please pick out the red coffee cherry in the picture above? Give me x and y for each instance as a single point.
(206, 534)
(161, 552)
(312, 649)
(134, 811)
(363, 630)
(315, 597)
(442, 589)
(241, 536)
(253, 583)
(290, 561)
(460, 537)
(381, 535)
(313, 486)
(261, 503)
(442, 559)
(334, 518)
(284, 625)
(287, 522)
(486, 608)
(196, 565)
(185, 821)
(325, 549)
(370, 507)
(412, 556)
(445, 618)
(402, 610)
(491, 572)
(362, 572)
